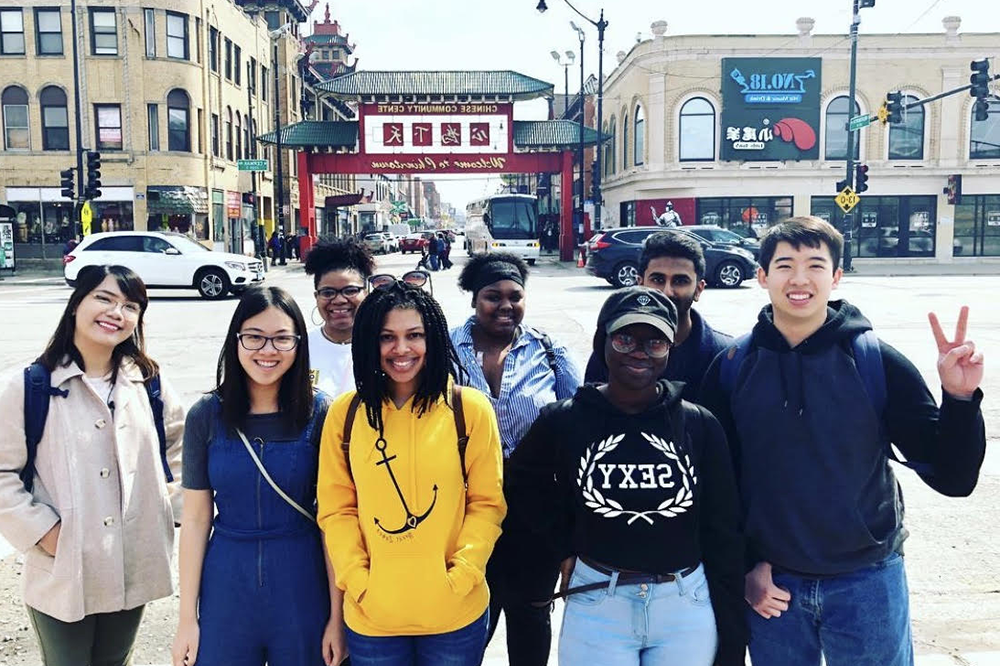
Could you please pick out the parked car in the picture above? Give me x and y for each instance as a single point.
(413, 243)
(166, 260)
(378, 243)
(613, 254)
(393, 241)
(716, 235)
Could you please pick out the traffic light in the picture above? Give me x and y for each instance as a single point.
(841, 184)
(980, 79)
(894, 105)
(249, 198)
(67, 185)
(866, 3)
(954, 189)
(860, 178)
(982, 109)
(93, 176)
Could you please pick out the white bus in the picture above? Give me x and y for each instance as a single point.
(503, 223)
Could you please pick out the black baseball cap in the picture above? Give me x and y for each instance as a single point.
(638, 305)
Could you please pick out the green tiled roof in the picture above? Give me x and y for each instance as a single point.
(344, 134)
(473, 83)
(308, 133)
(551, 134)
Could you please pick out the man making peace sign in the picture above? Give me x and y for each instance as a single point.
(810, 402)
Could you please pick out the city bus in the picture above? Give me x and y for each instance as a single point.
(503, 223)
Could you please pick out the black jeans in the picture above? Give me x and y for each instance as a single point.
(102, 639)
(517, 577)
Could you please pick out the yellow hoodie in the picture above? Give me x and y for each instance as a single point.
(402, 580)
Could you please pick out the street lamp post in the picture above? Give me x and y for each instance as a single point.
(261, 242)
(279, 193)
(852, 95)
(583, 117)
(570, 57)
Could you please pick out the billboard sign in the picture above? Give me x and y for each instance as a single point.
(448, 128)
(770, 109)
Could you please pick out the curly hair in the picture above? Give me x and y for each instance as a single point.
(440, 363)
(338, 254)
(476, 263)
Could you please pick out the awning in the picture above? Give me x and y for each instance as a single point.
(344, 200)
(176, 200)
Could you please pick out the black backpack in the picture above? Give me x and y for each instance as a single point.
(38, 390)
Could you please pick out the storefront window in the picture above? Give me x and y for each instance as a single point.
(886, 226)
(112, 216)
(218, 216)
(746, 216)
(977, 226)
(50, 222)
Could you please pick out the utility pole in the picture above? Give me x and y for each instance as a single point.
(599, 157)
(848, 217)
(77, 223)
(578, 227)
(260, 246)
(279, 193)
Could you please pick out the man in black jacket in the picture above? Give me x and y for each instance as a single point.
(673, 263)
(810, 440)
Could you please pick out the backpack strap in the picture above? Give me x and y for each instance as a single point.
(345, 444)
(37, 391)
(154, 392)
(550, 353)
(732, 359)
(463, 438)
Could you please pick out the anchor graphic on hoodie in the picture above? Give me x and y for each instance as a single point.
(412, 520)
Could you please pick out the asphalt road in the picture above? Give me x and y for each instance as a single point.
(952, 555)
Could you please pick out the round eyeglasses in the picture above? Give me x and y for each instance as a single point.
(330, 293)
(623, 343)
(256, 342)
(415, 278)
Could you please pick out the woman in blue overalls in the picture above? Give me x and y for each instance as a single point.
(259, 591)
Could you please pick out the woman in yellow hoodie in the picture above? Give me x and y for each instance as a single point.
(410, 492)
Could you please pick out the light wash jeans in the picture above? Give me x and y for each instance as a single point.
(857, 619)
(669, 624)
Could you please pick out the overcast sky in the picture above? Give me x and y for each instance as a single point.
(510, 34)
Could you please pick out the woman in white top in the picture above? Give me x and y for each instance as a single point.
(340, 270)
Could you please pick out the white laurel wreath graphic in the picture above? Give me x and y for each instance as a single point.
(609, 508)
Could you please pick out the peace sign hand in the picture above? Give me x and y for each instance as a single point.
(959, 365)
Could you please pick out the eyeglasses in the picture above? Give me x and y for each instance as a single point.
(129, 309)
(330, 293)
(623, 343)
(413, 278)
(256, 342)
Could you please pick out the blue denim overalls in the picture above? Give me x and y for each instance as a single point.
(264, 592)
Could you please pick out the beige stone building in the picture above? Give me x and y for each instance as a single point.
(173, 93)
(730, 132)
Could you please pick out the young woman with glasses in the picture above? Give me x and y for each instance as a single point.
(259, 590)
(634, 489)
(340, 270)
(410, 508)
(520, 370)
(92, 511)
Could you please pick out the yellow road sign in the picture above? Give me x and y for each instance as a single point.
(86, 217)
(883, 113)
(847, 199)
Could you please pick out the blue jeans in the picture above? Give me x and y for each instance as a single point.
(435, 262)
(856, 619)
(668, 624)
(462, 647)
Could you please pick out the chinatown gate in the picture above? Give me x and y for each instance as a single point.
(420, 123)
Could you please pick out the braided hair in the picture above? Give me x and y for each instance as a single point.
(441, 361)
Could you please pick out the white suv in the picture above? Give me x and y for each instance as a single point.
(166, 260)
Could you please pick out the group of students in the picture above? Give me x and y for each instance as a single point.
(386, 487)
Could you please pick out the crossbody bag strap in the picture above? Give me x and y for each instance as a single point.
(267, 477)
(345, 444)
(463, 439)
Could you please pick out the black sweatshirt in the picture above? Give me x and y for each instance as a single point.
(819, 494)
(618, 489)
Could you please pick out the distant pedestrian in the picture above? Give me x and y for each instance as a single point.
(433, 251)
(94, 510)
(250, 547)
(445, 251)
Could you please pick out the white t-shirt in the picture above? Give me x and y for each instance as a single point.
(332, 367)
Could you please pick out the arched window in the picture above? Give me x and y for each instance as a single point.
(609, 149)
(15, 118)
(624, 141)
(229, 134)
(984, 139)
(640, 136)
(906, 139)
(55, 119)
(178, 121)
(697, 130)
(239, 137)
(836, 129)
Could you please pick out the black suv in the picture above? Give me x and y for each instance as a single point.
(613, 254)
(718, 236)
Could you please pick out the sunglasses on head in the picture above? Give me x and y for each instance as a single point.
(414, 278)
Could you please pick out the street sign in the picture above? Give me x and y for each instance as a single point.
(252, 165)
(858, 122)
(847, 199)
(86, 217)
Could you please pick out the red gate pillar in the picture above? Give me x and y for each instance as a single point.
(307, 204)
(566, 236)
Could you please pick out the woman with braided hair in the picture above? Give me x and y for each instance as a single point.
(410, 492)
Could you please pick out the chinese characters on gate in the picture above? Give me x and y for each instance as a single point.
(433, 129)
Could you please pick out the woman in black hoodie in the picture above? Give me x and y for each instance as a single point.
(635, 488)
